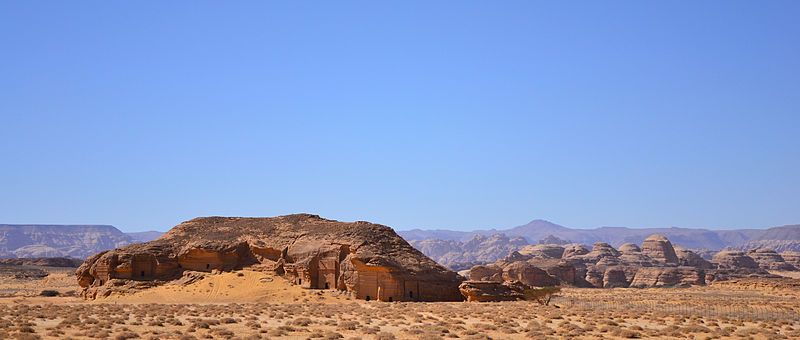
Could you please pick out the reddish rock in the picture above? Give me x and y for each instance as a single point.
(733, 259)
(548, 251)
(769, 259)
(574, 250)
(486, 273)
(490, 291)
(369, 260)
(691, 259)
(630, 248)
(614, 277)
(528, 274)
(668, 277)
(594, 276)
(659, 248)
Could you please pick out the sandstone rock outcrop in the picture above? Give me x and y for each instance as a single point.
(528, 274)
(769, 259)
(792, 257)
(657, 263)
(548, 251)
(574, 250)
(689, 258)
(614, 277)
(659, 248)
(369, 260)
(486, 273)
(668, 277)
(630, 248)
(601, 250)
(733, 259)
(492, 291)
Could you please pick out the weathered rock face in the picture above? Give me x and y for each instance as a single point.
(369, 260)
(548, 251)
(528, 274)
(668, 277)
(574, 250)
(792, 258)
(691, 259)
(486, 273)
(614, 277)
(769, 259)
(630, 248)
(657, 263)
(732, 259)
(490, 291)
(601, 250)
(659, 248)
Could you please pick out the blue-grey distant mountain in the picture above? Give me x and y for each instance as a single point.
(539, 229)
(76, 241)
(144, 236)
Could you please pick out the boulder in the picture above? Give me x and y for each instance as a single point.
(659, 248)
(491, 291)
(368, 260)
(632, 259)
(734, 259)
(668, 277)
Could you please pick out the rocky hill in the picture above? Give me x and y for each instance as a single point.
(369, 260)
(458, 255)
(781, 239)
(78, 241)
(656, 263)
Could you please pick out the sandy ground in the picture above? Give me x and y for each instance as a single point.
(254, 305)
(232, 287)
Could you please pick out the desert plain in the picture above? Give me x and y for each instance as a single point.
(247, 304)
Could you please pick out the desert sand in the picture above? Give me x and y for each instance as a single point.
(254, 305)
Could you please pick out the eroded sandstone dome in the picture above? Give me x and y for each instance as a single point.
(369, 260)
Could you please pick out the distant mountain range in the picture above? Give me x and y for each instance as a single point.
(453, 248)
(77, 241)
(458, 249)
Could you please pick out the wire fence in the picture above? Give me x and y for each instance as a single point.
(756, 311)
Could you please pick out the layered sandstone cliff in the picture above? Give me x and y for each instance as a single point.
(369, 260)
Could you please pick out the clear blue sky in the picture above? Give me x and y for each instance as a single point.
(448, 114)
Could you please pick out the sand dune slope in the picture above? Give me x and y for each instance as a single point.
(243, 286)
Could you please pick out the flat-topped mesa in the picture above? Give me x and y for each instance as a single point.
(659, 248)
(369, 260)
